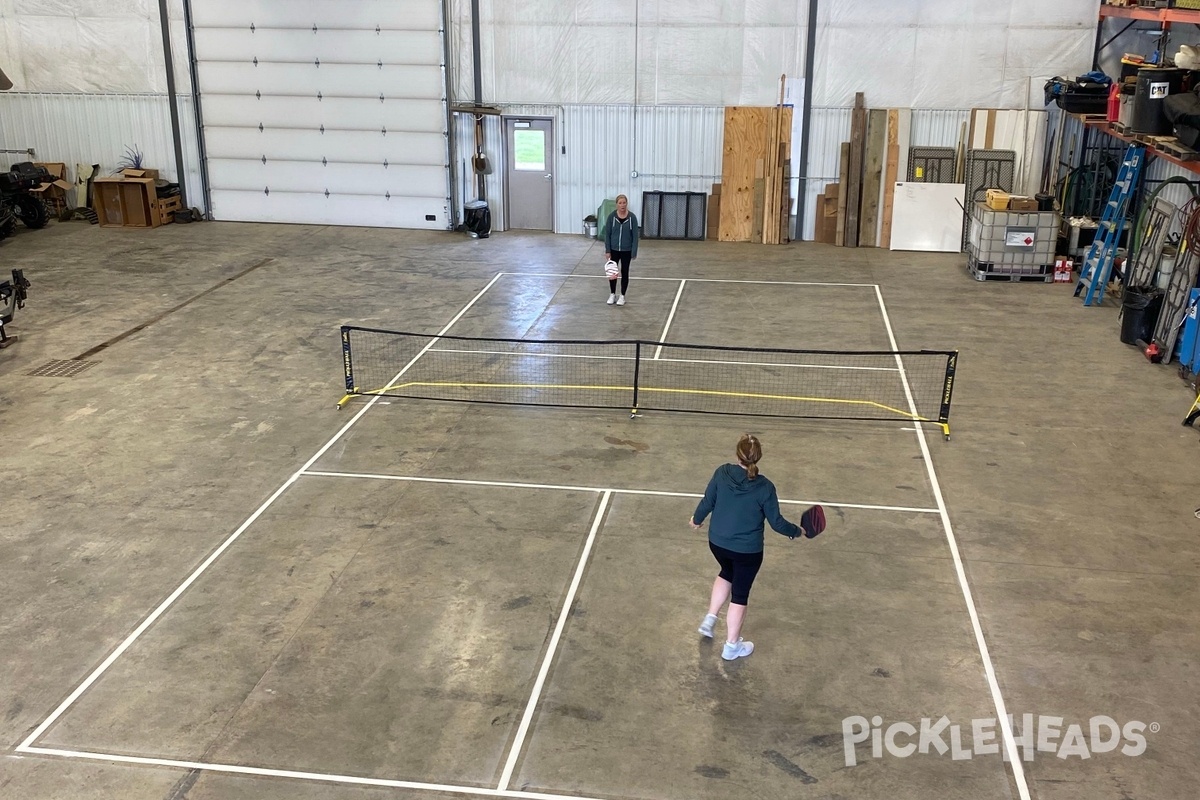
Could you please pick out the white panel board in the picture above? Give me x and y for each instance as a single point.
(323, 14)
(329, 80)
(928, 217)
(232, 111)
(361, 147)
(388, 47)
(399, 180)
(308, 209)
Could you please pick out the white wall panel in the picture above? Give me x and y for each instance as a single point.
(678, 149)
(88, 128)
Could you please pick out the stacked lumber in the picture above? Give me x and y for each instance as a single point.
(857, 210)
(755, 195)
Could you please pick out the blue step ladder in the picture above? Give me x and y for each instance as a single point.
(1096, 268)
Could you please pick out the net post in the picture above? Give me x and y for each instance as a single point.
(637, 366)
(348, 365)
(948, 393)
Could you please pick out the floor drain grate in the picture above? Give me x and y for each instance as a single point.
(62, 369)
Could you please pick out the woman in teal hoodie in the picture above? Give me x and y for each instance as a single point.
(621, 236)
(741, 501)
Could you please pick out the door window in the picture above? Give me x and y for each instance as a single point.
(529, 148)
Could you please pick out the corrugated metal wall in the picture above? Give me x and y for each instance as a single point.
(598, 150)
(671, 148)
(97, 129)
(678, 148)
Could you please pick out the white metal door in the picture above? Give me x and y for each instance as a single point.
(324, 112)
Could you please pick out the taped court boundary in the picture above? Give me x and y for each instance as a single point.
(27, 745)
(319, 777)
(692, 280)
(562, 487)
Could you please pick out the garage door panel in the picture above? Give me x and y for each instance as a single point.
(325, 111)
(350, 47)
(340, 80)
(356, 81)
(416, 116)
(367, 147)
(306, 209)
(404, 180)
(394, 14)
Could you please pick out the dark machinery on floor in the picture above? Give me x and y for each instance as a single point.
(17, 201)
(12, 297)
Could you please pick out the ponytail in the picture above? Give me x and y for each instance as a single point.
(749, 451)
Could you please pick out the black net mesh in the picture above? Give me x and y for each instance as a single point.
(650, 376)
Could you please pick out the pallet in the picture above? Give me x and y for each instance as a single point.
(1176, 150)
(1154, 3)
(982, 275)
(166, 208)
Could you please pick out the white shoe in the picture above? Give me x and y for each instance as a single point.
(612, 298)
(706, 627)
(738, 649)
(621, 300)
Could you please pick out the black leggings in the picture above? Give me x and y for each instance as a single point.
(622, 257)
(739, 569)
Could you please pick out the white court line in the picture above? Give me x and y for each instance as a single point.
(694, 280)
(671, 316)
(597, 489)
(301, 775)
(668, 360)
(523, 729)
(179, 590)
(1010, 745)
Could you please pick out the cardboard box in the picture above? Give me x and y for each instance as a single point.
(1022, 204)
(140, 173)
(997, 200)
(55, 168)
(122, 202)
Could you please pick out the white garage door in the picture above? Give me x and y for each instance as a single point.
(324, 111)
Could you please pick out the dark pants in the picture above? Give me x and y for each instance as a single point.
(622, 257)
(739, 569)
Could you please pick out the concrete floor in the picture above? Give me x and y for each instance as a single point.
(394, 630)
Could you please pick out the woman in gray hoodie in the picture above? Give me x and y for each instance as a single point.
(741, 501)
(621, 236)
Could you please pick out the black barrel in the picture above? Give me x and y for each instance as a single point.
(1154, 85)
(1139, 313)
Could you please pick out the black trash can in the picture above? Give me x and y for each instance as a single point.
(1139, 313)
(477, 219)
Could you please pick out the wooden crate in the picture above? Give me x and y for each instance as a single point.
(166, 208)
(126, 202)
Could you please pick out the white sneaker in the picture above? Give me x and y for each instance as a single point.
(621, 300)
(612, 298)
(738, 649)
(706, 627)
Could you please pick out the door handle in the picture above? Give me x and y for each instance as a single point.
(549, 177)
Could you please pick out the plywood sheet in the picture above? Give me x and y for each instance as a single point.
(744, 150)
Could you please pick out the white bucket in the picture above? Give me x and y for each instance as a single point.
(1165, 268)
